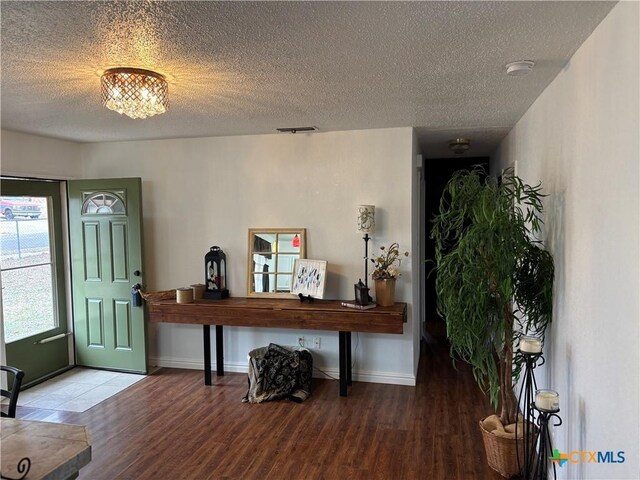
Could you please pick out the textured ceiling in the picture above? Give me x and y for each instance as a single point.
(246, 68)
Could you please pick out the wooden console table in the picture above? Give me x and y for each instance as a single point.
(270, 313)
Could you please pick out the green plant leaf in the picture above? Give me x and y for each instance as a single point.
(491, 273)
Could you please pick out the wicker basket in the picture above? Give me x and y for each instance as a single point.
(501, 452)
(157, 296)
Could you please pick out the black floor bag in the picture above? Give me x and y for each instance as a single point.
(277, 372)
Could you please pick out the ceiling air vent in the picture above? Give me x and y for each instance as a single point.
(296, 129)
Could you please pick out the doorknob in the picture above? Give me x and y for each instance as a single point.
(137, 273)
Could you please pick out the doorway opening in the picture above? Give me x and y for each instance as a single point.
(32, 272)
(437, 173)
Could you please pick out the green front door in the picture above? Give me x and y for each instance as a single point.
(32, 272)
(105, 222)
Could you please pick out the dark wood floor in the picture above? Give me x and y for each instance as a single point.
(170, 425)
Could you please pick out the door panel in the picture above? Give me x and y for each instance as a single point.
(95, 324)
(106, 244)
(122, 311)
(91, 251)
(32, 270)
(119, 259)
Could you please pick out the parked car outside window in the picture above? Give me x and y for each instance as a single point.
(11, 207)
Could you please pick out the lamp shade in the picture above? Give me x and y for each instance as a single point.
(366, 220)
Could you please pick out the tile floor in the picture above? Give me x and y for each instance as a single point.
(77, 390)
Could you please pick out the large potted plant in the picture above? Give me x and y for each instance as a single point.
(494, 280)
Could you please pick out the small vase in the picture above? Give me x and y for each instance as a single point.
(385, 292)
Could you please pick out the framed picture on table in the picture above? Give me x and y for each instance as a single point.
(309, 278)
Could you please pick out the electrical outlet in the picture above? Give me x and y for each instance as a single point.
(301, 340)
(316, 343)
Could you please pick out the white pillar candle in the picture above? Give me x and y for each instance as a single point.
(547, 400)
(530, 345)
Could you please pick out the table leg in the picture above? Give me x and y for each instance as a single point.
(348, 348)
(206, 337)
(219, 352)
(342, 356)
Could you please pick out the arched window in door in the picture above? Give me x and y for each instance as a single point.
(103, 203)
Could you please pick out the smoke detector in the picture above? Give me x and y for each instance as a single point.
(519, 68)
(459, 145)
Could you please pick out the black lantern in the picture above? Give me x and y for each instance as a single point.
(215, 274)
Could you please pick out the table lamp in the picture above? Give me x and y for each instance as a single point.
(366, 222)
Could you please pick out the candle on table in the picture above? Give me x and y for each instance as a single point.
(547, 400)
(184, 295)
(530, 345)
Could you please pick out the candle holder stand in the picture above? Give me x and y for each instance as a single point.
(526, 462)
(545, 449)
(366, 239)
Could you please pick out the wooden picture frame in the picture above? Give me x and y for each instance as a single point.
(309, 278)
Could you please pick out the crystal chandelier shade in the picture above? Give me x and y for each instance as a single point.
(134, 92)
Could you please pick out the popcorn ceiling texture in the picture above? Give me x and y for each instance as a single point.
(247, 68)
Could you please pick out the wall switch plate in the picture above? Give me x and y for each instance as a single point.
(316, 342)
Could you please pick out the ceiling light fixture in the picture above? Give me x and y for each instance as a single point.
(519, 68)
(459, 145)
(134, 92)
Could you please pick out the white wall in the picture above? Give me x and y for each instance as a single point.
(417, 257)
(38, 157)
(210, 191)
(580, 138)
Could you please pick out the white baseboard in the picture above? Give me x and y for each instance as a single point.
(391, 378)
(190, 364)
